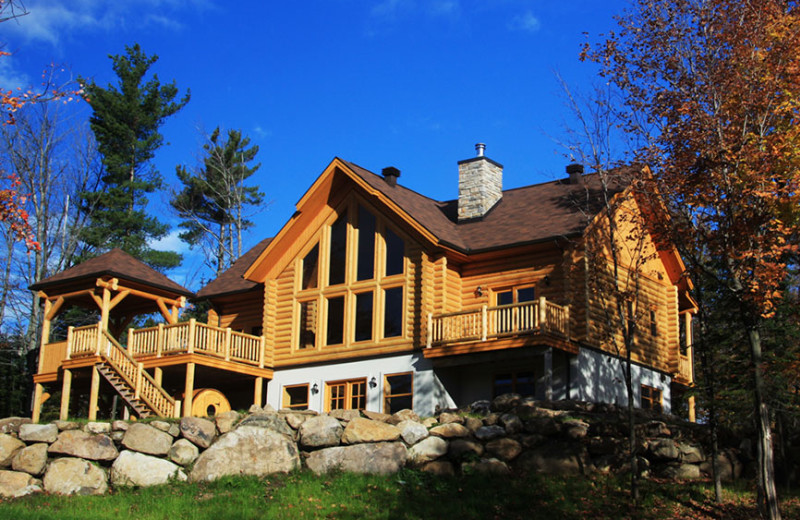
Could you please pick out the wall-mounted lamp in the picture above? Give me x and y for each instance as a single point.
(315, 388)
(479, 291)
(547, 280)
(373, 382)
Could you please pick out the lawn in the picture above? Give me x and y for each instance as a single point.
(407, 495)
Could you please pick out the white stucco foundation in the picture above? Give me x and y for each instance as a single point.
(598, 377)
(429, 393)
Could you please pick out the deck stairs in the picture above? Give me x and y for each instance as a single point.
(125, 391)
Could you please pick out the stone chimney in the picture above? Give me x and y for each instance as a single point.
(480, 185)
(574, 171)
(390, 175)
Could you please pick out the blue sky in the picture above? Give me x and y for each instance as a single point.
(411, 84)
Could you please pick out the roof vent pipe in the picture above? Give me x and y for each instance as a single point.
(390, 175)
(479, 148)
(575, 171)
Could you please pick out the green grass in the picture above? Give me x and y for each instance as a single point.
(407, 495)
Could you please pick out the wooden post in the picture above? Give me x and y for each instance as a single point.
(692, 412)
(138, 384)
(177, 411)
(263, 352)
(37, 402)
(45, 339)
(258, 391)
(430, 329)
(228, 344)
(190, 339)
(70, 330)
(542, 313)
(98, 339)
(484, 322)
(93, 393)
(160, 340)
(566, 320)
(158, 375)
(66, 388)
(188, 390)
(105, 310)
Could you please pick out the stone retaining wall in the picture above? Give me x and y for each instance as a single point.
(508, 436)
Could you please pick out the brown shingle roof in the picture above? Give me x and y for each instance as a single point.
(115, 263)
(524, 215)
(231, 281)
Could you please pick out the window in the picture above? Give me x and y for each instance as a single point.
(651, 399)
(350, 284)
(517, 318)
(398, 392)
(347, 395)
(521, 382)
(295, 397)
(653, 323)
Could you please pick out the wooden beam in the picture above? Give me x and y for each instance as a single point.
(55, 307)
(66, 388)
(117, 299)
(93, 394)
(188, 390)
(165, 313)
(258, 398)
(37, 402)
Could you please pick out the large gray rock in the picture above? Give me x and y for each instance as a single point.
(555, 459)
(271, 421)
(504, 449)
(381, 458)
(137, 469)
(345, 415)
(247, 450)
(464, 449)
(691, 454)
(512, 423)
(320, 432)
(487, 433)
(71, 476)
(682, 472)
(67, 425)
(9, 446)
(426, 450)
(448, 417)
(31, 459)
(97, 427)
(412, 432)
(730, 467)
(360, 430)
(226, 420)
(38, 433)
(404, 415)
(663, 449)
(575, 428)
(199, 431)
(450, 431)
(12, 424)
(14, 484)
(487, 467)
(183, 452)
(77, 443)
(146, 439)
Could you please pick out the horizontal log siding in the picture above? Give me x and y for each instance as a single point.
(284, 308)
(654, 352)
(244, 313)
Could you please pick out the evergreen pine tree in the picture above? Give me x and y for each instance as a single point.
(126, 119)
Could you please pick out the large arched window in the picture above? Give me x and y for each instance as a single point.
(350, 285)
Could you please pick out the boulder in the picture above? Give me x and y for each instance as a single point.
(450, 431)
(575, 428)
(464, 448)
(504, 449)
(487, 467)
(147, 439)
(183, 452)
(345, 415)
(320, 432)
(71, 476)
(247, 450)
(664, 450)
(119, 426)
(487, 433)
(404, 415)
(97, 427)
(377, 416)
(31, 459)
(505, 402)
(426, 450)
(9, 446)
(512, 423)
(682, 472)
(412, 432)
(482, 408)
(14, 484)
(691, 454)
(542, 425)
(137, 469)
(38, 433)
(473, 423)
(730, 467)
(227, 420)
(199, 431)
(164, 426)
(447, 418)
(12, 424)
(78, 443)
(66, 425)
(294, 420)
(271, 421)
(442, 468)
(554, 459)
(380, 458)
(365, 430)
(428, 422)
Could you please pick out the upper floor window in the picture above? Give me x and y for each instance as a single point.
(350, 285)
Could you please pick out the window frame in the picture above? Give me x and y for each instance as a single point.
(386, 389)
(514, 373)
(348, 385)
(651, 398)
(286, 397)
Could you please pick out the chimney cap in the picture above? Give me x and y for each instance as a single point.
(575, 171)
(480, 148)
(390, 175)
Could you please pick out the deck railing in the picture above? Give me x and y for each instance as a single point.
(492, 322)
(685, 368)
(193, 337)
